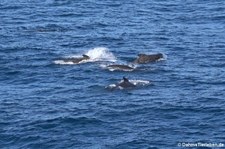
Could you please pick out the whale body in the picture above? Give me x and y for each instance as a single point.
(126, 83)
(144, 58)
(77, 60)
(120, 67)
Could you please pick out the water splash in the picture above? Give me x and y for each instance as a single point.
(163, 58)
(101, 54)
(140, 82)
(95, 54)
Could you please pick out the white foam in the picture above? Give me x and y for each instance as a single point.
(164, 57)
(111, 69)
(104, 66)
(100, 54)
(132, 65)
(115, 69)
(111, 86)
(140, 82)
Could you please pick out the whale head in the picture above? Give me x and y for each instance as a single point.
(144, 58)
(85, 56)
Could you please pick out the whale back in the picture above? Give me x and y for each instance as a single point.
(77, 60)
(120, 66)
(126, 83)
(144, 58)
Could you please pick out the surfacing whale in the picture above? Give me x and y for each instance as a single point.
(120, 67)
(77, 60)
(144, 58)
(128, 84)
(125, 83)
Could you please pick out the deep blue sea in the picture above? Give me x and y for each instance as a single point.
(49, 105)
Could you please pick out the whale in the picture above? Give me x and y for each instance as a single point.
(77, 60)
(120, 67)
(125, 84)
(144, 58)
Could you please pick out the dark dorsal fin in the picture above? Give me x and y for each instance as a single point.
(125, 79)
(85, 56)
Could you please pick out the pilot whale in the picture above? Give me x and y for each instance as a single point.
(126, 83)
(144, 58)
(120, 67)
(77, 60)
(123, 84)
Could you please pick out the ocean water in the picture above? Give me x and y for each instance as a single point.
(45, 104)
